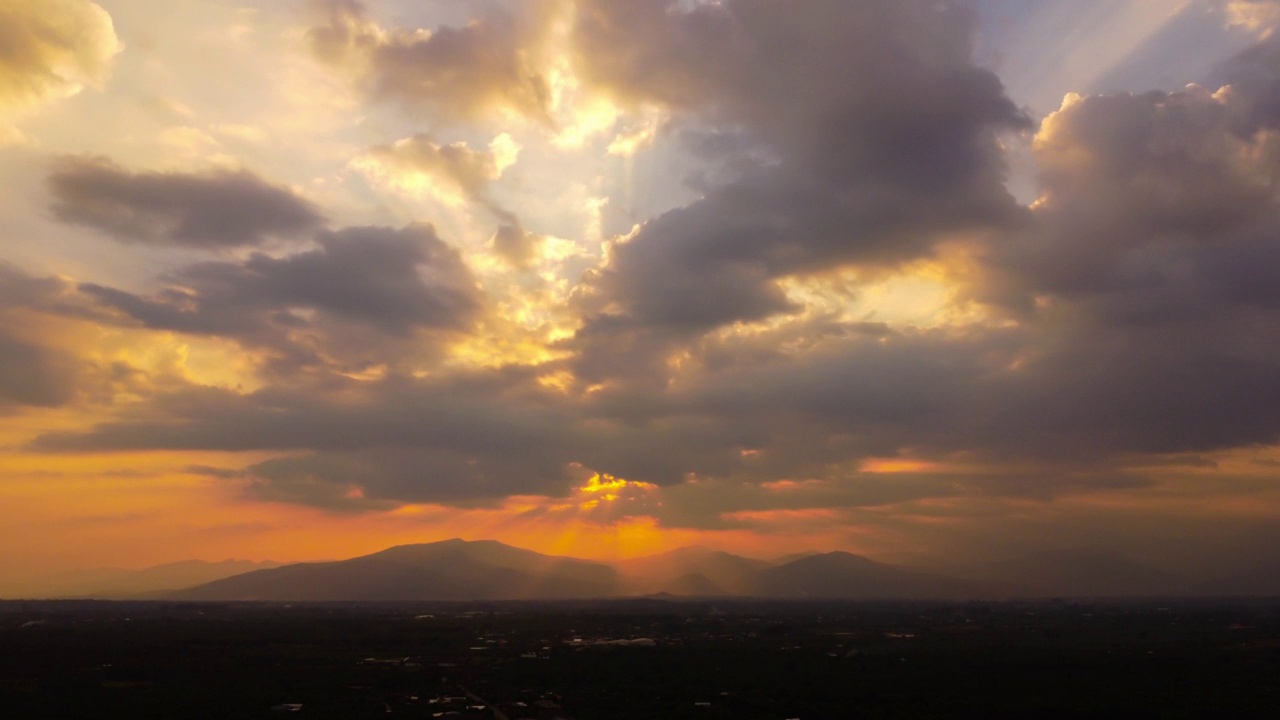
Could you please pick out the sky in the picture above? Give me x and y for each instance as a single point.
(929, 281)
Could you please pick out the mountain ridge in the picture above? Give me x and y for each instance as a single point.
(462, 570)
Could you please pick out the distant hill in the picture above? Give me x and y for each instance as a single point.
(448, 570)
(488, 570)
(846, 576)
(117, 583)
(791, 557)
(1082, 572)
(692, 571)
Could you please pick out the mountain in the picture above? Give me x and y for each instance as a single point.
(488, 570)
(1081, 572)
(448, 570)
(117, 583)
(792, 557)
(692, 571)
(846, 576)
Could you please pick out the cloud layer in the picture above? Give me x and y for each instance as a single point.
(840, 316)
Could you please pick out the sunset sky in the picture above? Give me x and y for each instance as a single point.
(927, 281)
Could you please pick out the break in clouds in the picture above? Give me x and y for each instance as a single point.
(1123, 321)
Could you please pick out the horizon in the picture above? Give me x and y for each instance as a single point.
(933, 283)
(1034, 575)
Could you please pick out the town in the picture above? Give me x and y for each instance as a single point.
(642, 658)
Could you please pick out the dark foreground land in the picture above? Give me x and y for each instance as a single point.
(649, 659)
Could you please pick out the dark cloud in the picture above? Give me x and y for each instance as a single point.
(221, 209)
(450, 72)
(458, 438)
(862, 134)
(359, 285)
(19, 289)
(34, 375)
(1149, 270)
(35, 372)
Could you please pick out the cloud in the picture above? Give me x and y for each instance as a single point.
(35, 369)
(361, 288)
(1119, 330)
(1150, 267)
(516, 245)
(53, 48)
(456, 438)
(216, 210)
(33, 375)
(872, 170)
(420, 158)
(457, 170)
(451, 73)
(1260, 16)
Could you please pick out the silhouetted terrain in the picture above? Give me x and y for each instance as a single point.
(457, 570)
(842, 575)
(449, 570)
(693, 571)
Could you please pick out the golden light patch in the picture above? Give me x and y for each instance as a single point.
(411, 182)
(605, 483)
(924, 294)
(562, 381)
(497, 350)
(791, 485)
(198, 360)
(505, 151)
(890, 466)
(783, 517)
(639, 136)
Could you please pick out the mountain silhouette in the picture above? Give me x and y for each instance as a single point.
(846, 576)
(489, 570)
(448, 570)
(693, 570)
